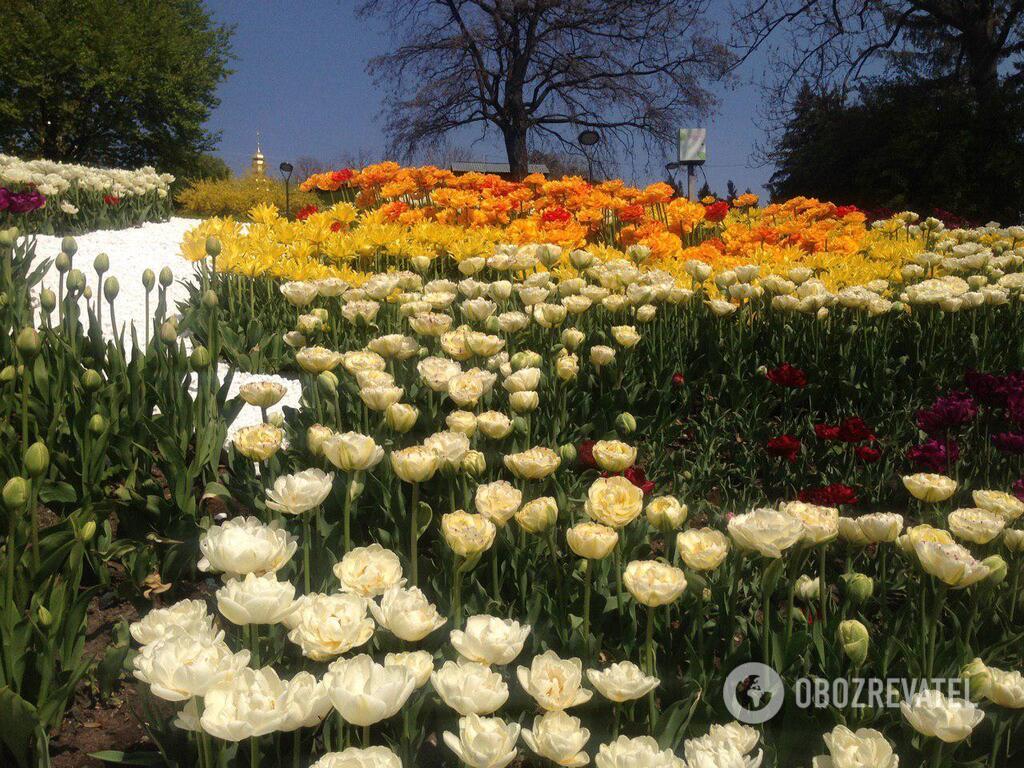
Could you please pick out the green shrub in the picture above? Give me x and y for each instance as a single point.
(235, 197)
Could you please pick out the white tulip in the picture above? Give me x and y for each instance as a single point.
(244, 545)
(554, 683)
(407, 613)
(484, 742)
(641, 752)
(325, 626)
(365, 692)
(419, 663)
(179, 666)
(559, 738)
(300, 492)
(354, 757)
(470, 688)
(930, 713)
(369, 571)
(490, 640)
(256, 599)
(623, 681)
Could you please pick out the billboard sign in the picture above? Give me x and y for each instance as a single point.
(693, 145)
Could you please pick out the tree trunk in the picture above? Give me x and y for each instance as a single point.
(515, 149)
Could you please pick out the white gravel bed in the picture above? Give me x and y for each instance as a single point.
(132, 251)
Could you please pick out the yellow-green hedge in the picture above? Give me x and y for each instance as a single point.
(236, 196)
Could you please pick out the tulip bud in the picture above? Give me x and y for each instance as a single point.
(567, 453)
(327, 382)
(519, 425)
(45, 617)
(572, 338)
(978, 678)
(806, 588)
(401, 417)
(62, 263)
(148, 279)
(538, 515)
(87, 532)
(47, 300)
(7, 237)
(997, 569)
(166, 277)
(28, 343)
(524, 402)
(69, 246)
(91, 380)
(320, 313)
(37, 459)
(8, 374)
(625, 423)
(474, 463)
(210, 300)
(76, 281)
(15, 494)
(276, 418)
(525, 359)
(1013, 540)
(168, 333)
(213, 246)
(199, 360)
(315, 436)
(492, 325)
(97, 424)
(853, 636)
(111, 288)
(101, 263)
(859, 587)
(87, 293)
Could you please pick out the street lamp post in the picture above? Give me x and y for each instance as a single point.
(691, 177)
(286, 173)
(588, 139)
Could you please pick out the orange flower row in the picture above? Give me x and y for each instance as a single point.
(572, 213)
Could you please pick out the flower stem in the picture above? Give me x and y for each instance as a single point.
(618, 579)
(822, 585)
(305, 552)
(348, 513)
(940, 599)
(586, 607)
(649, 647)
(457, 593)
(414, 535)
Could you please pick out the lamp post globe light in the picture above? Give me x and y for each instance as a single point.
(589, 138)
(286, 173)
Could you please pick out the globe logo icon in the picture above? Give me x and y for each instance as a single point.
(753, 693)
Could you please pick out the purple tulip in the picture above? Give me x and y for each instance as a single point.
(1009, 442)
(26, 202)
(934, 455)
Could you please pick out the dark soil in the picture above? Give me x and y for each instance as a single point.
(91, 724)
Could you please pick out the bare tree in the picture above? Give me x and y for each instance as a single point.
(307, 165)
(835, 43)
(539, 71)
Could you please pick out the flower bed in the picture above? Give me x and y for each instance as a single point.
(46, 197)
(537, 502)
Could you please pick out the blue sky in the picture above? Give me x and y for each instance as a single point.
(300, 80)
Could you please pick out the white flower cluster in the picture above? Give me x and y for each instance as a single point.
(55, 179)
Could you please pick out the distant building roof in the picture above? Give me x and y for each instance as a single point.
(499, 169)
